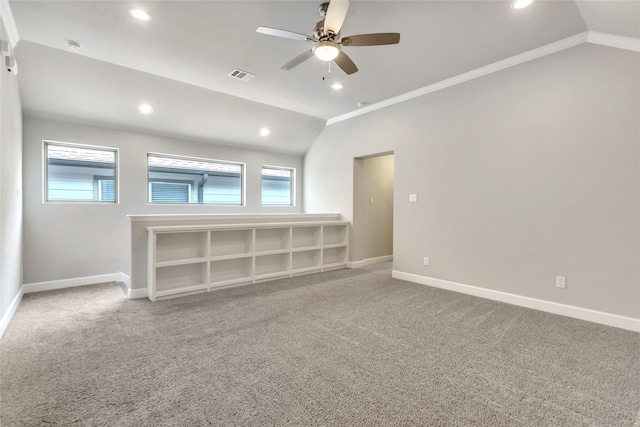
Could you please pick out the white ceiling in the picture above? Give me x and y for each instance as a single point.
(180, 60)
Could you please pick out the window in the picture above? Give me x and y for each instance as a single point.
(169, 192)
(174, 179)
(80, 173)
(278, 186)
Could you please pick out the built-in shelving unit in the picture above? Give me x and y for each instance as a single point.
(185, 259)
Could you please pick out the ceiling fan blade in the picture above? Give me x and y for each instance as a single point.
(297, 60)
(345, 63)
(336, 12)
(283, 33)
(375, 39)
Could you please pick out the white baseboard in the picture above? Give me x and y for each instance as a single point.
(124, 278)
(70, 283)
(138, 293)
(369, 261)
(8, 315)
(601, 317)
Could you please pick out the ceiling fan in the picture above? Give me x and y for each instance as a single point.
(327, 38)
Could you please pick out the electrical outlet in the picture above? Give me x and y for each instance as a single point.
(561, 282)
(426, 260)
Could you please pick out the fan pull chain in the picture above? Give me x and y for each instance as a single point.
(328, 68)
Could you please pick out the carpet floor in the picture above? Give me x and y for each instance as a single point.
(349, 347)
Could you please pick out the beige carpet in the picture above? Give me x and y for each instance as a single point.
(351, 347)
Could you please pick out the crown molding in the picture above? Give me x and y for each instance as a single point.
(612, 40)
(9, 24)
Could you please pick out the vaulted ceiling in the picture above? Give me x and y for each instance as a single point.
(180, 60)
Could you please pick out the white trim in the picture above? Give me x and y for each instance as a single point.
(8, 315)
(138, 293)
(613, 40)
(70, 283)
(242, 217)
(470, 75)
(369, 261)
(124, 278)
(9, 23)
(601, 317)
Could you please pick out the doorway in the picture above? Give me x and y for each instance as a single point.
(372, 233)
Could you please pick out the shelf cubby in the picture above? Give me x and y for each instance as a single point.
(334, 256)
(181, 277)
(231, 242)
(181, 246)
(271, 239)
(272, 264)
(235, 270)
(334, 234)
(305, 237)
(305, 260)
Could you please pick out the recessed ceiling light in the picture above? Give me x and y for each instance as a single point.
(145, 108)
(140, 14)
(336, 86)
(264, 131)
(74, 45)
(521, 4)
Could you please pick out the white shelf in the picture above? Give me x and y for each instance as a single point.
(307, 248)
(264, 277)
(333, 266)
(273, 252)
(300, 271)
(180, 262)
(195, 258)
(225, 257)
(225, 283)
(187, 289)
(337, 245)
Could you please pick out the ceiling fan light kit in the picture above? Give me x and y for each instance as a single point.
(326, 36)
(326, 50)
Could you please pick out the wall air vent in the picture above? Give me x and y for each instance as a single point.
(241, 75)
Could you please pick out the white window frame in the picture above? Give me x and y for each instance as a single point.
(293, 186)
(45, 171)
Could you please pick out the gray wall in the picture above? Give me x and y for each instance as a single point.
(522, 175)
(10, 189)
(71, 240)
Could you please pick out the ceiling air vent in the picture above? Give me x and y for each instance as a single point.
(241, 75)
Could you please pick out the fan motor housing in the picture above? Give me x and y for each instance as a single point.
(318, 33)
(322, 10)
